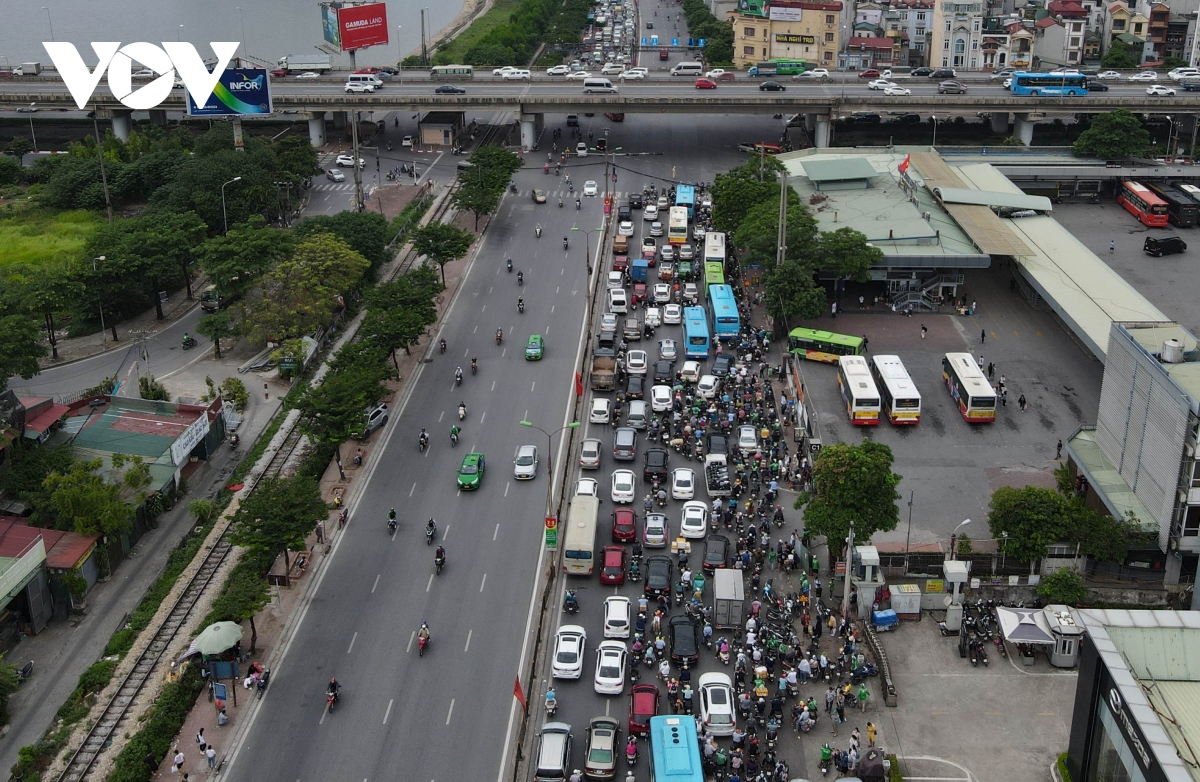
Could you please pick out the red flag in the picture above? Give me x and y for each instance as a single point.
(520, 694)
(578, 384)
(904, 165)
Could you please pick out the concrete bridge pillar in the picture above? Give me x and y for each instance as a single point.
(341, 120)
(1000, 122)
(1023, 129)
(530, 125)
(821, 136)
(159, 117)
(810, 122)
(122, 123)
(316, 129)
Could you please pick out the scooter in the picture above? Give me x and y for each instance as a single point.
(520, 279)
(570, 602)
(234, 440)
(391, 526)
(422, 443)
(330, 699)
(631, 752)
(537, 230)
(551, 706)
(458, 378)
(439, 563)
(462, 412)
(521, 307)
(25, 672)
(422, 643)
(430, 534)
(442, 346)
(565, 243)
(263, 681)
(510, 259)
(190, 342)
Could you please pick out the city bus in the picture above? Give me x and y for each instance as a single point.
(824, 346)
(685, 196)
(1142, 204)
(725, 319)
(1191, 191)
(695, 333)
(714, 247)
(969, 387)
(677, 224)
(778, 68)
(579, 538)
(1181, 209)
(675, 749)
(1060, 84)
(714, 274)
(858, 391)
(451, 72)
(901, 399)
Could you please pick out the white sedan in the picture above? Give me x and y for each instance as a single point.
(1105, 75)
(625, 228)
(716, 704)
(587, 487)
(706, 387)
(579, 75)
(660, 398)
(309, 75)
(666, 348)
(683, 483)
(348, 160)
(662, 291)
(610, 668)
(633, 73)
(622, 487)
(656, 228)
(690, 372)
(716, 73)
(1158, 89)
(653, 317)
(636, 362)
(1144, 76)
(897, 91)
(694, 524)
(601, 411)
(589, 187)
(558, 70)
(880, 84)
(503, 70)
(747, 438)
(815, 73)
(672, 315)
(568, 652)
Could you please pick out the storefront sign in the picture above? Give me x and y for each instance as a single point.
(1137, 742)
(780, 14)
(793, 38)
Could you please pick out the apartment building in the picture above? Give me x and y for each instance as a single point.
(786, 30)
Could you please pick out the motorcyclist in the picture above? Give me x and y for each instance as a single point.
(439, 556)
(458, 375)
(570, 602)
(520, 278)
(578, 203)
(430, 527)
(392, 518)
(499, 335)
(333, 687)
(510, 261)
(474, 364)
(454, 432)
(442, 345)
(537, 229)
(551, 698)
(462, 409)
(423, 633)
(521, 303)
(565, 243)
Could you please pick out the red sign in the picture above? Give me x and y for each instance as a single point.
(551, 522)
(363, 25)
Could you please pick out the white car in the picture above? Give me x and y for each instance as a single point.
(587, 487)
(144, 73)
(357, 86)
(610, 668)
(579, 75)
(656, 228)
(612, 68)
(716, 704)
(690, 372)
(707, 386)
(880, 84)
(667, 252)
(660, 398)
(608, 322)
(581, 149)
(558, 70)
(672, 315)
(589, 187)
(309, 75)
(694, 524)
(1007, 83)
(589, 454)
(654, 531)
(662, 291)
(715, 74)
(683, 483)
(407, 141)
(622, 487)
(666, 347)
(634, 73)
(1144, 76)
(815, 73)
(348, 160)
(569, 644)
(897, 91)
(616, 280)
(653, 317)
(601, 411)
(617, 612)
(625, 228)
(747, 438)
(650, 213)
(636, 362)
(503, 70)
(663, 202)
(335, 175)
(1158, 89)
(690, 291)
(525, 463)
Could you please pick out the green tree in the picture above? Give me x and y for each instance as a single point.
(215, 326)
(8, 685)
(20, 347)
(1120, 56)
(11, 170)
(494, 166)
(364, 232)
(846, 253)
(476, 197)
(442, 243)
(1100, 536)
(25, 471)
(1062, 587)
(790, 292)
(399, 311)
(1115, 134)
(295, 155)
(45, 291)
(237, 261)
(334, 409)
(82, 501)
(737, 191)
(18, 147)
(1030, 518)
(854, 484)
(149, 388)
(757, 236)
(278, 515)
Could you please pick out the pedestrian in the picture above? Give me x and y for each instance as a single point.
(863, 694)
(1112, 246)
(1003, 398)
(222, 719)
(1058, 450)
(924, 330)
(211, 754)
(862, 303)
(991, 370)
(980, 361)
(177, 764)
(834, 720)
(200, 740)
(1021, 402)
(982, 336)
(833, 309)
(871, 730)
(972, 306)
(865, 342)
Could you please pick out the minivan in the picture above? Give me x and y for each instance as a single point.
(364, 78)
(639, 414)
(598, 85)
(618, 302)
(553, 753)
(625, 444)
(688, 69)
(1158, 246)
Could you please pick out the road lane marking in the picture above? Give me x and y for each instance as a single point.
(552, 310)
(442, 416)
(375, 585)
(493, 385)
(388, 713)
(506, 486)
(445, 532)
(412, 490)
(483, 583)
(467, 648)
(483, 310)
(353, 638)
(483, 417)
(496, 534)
(451, 712)
(408, 648)
(532, 386)
(430, 584)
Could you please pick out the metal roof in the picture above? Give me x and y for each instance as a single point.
(838, 170)
(958, 195)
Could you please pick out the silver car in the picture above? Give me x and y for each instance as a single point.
(526, 462)
(589, 454)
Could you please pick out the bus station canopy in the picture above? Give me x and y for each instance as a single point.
(959, 195)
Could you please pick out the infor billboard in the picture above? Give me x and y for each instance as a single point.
(240, 92)
(362, 25)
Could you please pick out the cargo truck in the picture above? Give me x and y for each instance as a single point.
(729, 599)
(604, 364)
(716, 475)
(292, 63)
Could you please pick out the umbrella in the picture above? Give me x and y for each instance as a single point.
(218, 637)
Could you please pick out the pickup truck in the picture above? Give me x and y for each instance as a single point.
(716, 475)
(1191, 84)
(603, 376)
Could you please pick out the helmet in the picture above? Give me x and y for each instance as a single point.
(333, 680)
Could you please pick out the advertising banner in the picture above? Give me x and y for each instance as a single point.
(362, 25)
(240, 92)
(780, 14)
(329, 25)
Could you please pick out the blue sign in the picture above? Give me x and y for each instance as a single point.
(691, 42)
(643, 42)
(674, 41)
(701, 44)
(239, 92)
(654, 40)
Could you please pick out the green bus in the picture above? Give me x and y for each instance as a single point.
(714, 274)
(825, 346)
(778, 68)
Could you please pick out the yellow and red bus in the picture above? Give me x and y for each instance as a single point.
(858, 391)
(1140, 202)
(901, 399)
(969, 387)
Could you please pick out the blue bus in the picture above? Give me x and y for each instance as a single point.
(1024, 83)
(695, 330)
(685, 195)
(674, 749)
(725, 320)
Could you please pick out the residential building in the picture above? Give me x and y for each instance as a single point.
(1121, 23)
(863, 53)
(1156, 32)
(909, 21)
(956, 35)
(1007, 43)
(786, 30)
(1059, 42)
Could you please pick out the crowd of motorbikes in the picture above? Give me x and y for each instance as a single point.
(980, 629)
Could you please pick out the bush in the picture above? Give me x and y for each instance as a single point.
(1062, 768)
(894, 774)
(234, 390)
(1063, 586)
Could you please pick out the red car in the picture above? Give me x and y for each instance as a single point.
(369, 69)
(624, 525)
(705, 84)
(620, 263)
(869, 73)
(663, 54)
(612, 571)
(279, 73)
(639, 293)
(643, 704)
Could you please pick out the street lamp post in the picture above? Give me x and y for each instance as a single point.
(399, 53)
(954, 538)
(908, 536)
(224, 214)
(179, 34)
(934, 118)
(245, 47)
(32, 108)
(103, 331)
(587, 247)
(51, 21)
(550, 460)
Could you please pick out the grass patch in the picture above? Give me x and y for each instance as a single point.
(36, 237)
(456, 50)
(1062, 768)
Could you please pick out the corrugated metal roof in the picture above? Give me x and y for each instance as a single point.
(1178, 706)
(958, 195)
(838, 170)
(980, 223)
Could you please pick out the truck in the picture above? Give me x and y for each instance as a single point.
(729, 599)
(640, 271)
(775, 68)
(604, 365)
(292, 63)
(716, 475)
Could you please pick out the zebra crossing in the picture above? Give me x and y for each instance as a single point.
(337, 187)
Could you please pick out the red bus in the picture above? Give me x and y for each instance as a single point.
(1140, 202)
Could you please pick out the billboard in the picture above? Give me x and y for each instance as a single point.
(240, 92)
(360, 26)
(329, 26)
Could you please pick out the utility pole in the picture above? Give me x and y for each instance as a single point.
(424, 50)
(359, 205)
(781, 239)
(849, 571)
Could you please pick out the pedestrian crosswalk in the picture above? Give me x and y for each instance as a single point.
(341, 187)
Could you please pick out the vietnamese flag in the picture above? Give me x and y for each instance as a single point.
(578, 384)
(520, 694)
(903, 167)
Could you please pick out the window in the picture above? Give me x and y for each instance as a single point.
(904, 16)
(974, 64)
(749, 32)
(1137, 29)
(947, 25)
(828, 56)
(974, 44)
(960, 46)
(920, 16)
(828, 37)
(1074, 43)
(1072, 56)
(828, 18)
(945, 46)
(975, 25)
(748, 51)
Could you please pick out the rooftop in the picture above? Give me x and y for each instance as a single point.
(1153, 337)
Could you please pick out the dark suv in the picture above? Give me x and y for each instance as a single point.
(635, 201)
(658, 576)
(684, 637)
(656, 465)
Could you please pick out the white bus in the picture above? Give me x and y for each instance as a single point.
(451, 72)
(677, 225)
(579, 538)
(969, 387)
(901, 399)
(714, 247)
(858, 391)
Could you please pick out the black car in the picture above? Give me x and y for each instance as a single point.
(635, 386)
(922, 71)
(658, 576)
(390, 70)
(942, 73)
(663, 371)
(449, 89)
(865, 118)
(716, 444)
(1095, 85)
(716, 552)
(656, 465)
(771, 86)
(721, 365)
(684, 637)
(635, 201)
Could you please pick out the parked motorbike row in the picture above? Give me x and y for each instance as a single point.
(980, 629)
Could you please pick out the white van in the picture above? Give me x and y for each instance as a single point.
(364, 78)
(516, 74)
(598, 85)
(618, 302)
(688, 69)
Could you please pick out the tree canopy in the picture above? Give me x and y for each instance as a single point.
(1115, 134)
(277, 516)
(442, 243)
(236, 262)
(1030, 519)
(854, 484)
(737, 191)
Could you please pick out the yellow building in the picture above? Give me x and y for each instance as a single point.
(766, 30)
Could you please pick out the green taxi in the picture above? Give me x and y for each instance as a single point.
(471, 472)
(535, 348)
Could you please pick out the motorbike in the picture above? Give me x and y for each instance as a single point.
(513, 187)
(772, 734)
(578, 204)
(430, 534)
(546, 169)
(510, 260)
(520, 278)
(462, 412)
(391, 525)
(538, 231)
(26, 671)
(439, 563)
(631, 752)
(499, 337)
(551, 706)
(234, 440)
(263, 681)
(330, 699)
(560, 203)
(458, 378)
(570, 602)
(474, 366)
(635, 571)
(423, 443)
(442, 346)
(565, 243)
(422, 644)
(521, 307)
(826, 757)
(454, 438)
(190, 342)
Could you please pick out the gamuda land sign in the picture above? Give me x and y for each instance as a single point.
(173, 57)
